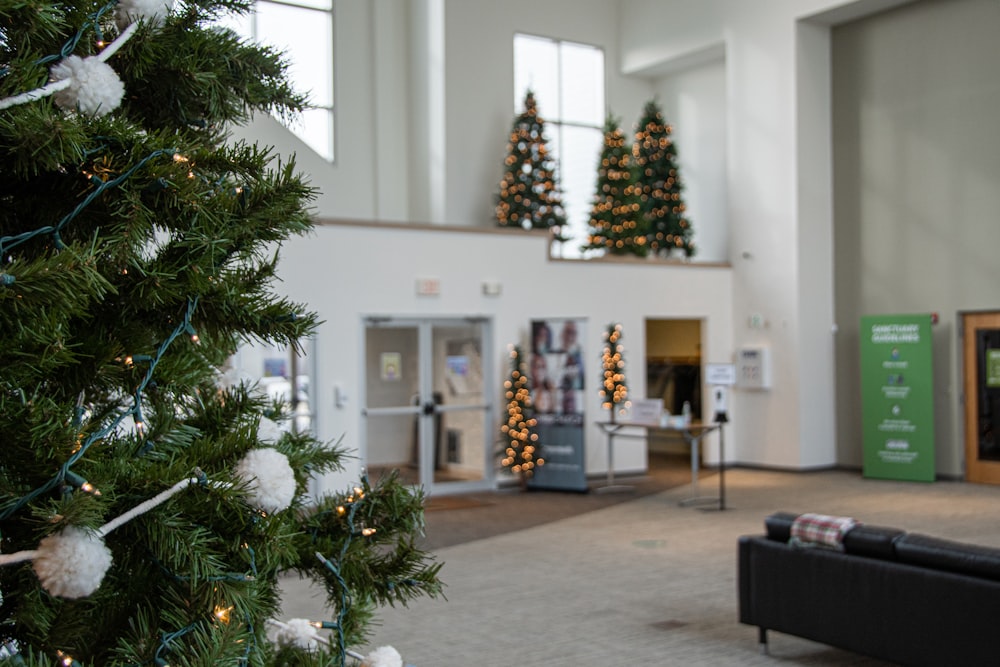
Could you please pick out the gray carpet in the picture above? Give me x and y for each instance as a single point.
(646, 582)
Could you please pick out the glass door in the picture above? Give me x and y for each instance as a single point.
(981, 370)
(425, 408)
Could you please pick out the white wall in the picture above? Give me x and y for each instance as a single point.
(424, 96)
(424, 102)
(779, 196)
(693, 99)
(374, 269)
(917, 166)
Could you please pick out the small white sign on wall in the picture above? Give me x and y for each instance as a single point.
(720, 374)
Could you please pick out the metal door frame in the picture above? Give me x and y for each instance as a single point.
(425, 389)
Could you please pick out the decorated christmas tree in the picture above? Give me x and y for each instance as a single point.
(614, 392)
(148, 506)
(616, 225)
(529, 194)
(657, 174)
(521, 453)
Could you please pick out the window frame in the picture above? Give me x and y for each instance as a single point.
(259, 35)
(555, 125)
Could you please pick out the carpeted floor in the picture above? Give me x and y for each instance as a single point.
(458, 519)
(643, 580)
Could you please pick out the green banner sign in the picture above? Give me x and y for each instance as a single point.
(897, 396)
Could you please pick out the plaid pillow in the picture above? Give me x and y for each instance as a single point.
(821, 530)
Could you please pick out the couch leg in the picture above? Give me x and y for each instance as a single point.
(762, 640)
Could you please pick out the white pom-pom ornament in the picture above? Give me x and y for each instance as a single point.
(72, 562)
(269, 431)
(94, 89)
(383, 656)
(298, 633)
(269, 477)
(151, 11)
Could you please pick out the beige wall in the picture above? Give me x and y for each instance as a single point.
(916, 94)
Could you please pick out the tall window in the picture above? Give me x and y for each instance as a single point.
(568, 81)
(303, 31)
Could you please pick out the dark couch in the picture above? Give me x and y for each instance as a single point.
(889, 594)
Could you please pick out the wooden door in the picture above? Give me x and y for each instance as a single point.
(981, 373)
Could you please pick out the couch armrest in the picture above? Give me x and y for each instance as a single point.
(779, 526)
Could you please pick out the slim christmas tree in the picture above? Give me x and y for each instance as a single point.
(615, 223)
(521, 452)
(614, 392)
(148, 507)
(660, 202)
(529, 190)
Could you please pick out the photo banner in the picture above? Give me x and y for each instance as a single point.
(897, 397)
(556, 376)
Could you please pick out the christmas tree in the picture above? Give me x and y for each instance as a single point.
(521, 452)
(614, 392)
(529, 191)
(660, 202)
(615, 223)
(147, 505)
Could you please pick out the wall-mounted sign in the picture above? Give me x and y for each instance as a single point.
(391, 363)
(897, 397)
(724, 374)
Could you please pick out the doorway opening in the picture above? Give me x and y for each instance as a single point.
(673, 375)
(981, 383)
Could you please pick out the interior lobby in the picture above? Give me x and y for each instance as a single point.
(839, 159)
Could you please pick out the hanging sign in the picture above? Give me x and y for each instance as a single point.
(897, 397)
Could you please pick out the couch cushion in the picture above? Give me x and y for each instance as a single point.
(960, 557)
(872, 541)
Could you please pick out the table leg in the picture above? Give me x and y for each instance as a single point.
(611, 487)
(695, 499)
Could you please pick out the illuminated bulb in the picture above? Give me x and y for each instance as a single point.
(222, 613)
(367, 532)
(180, 158)
(65, 658)
(90, 488)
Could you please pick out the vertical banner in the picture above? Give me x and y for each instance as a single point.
(556, 374)
(897, 397)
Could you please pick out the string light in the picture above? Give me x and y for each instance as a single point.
(615, 224)
(613, 390)
(660, 185)
(529, 196)
(222, 613)
(520, 452)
